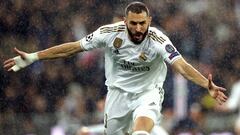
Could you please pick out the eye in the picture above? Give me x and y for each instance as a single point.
(142, 23)
(133, 23)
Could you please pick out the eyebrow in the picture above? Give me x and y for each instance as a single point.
(138, 22)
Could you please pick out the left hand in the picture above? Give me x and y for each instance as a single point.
(216, 92)
(21, 61)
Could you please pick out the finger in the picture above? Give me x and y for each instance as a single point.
(9, 65)
(15, 68)
(222, 102)
(224, 96)
(10, 69)
(219, 101)
(8, 61)
(19, 53)
(210, 81)
(222, 89)
(221, 97)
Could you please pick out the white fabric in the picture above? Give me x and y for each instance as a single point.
(124, 68)
(123, 108)
(140, 133)
(22, 63)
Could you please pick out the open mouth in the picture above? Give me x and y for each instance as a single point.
(138, 36)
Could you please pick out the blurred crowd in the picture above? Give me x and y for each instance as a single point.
(69, 93)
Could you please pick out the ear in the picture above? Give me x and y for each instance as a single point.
(125, 20)
(150, 19)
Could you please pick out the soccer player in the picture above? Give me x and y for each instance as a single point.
(135, 69)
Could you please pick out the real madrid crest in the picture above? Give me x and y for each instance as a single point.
(117, 43)
(142, 56)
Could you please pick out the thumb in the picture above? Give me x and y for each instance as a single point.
(210, 81)
(20, 53)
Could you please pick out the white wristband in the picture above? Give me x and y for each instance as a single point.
(33, 56)
(22, 63)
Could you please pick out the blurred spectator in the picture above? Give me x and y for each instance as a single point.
(42, 121)
(71, 111)
(191, 124)
(83, 131)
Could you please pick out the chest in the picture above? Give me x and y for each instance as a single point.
(124, 51)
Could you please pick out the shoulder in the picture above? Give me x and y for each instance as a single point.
(157, 35)
(113, 28)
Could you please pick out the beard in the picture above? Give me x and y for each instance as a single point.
(137, 37)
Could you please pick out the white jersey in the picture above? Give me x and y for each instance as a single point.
(132, 67)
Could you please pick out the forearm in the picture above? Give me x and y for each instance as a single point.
(195, 76)
(190, 73)
(24, 59)
(60, 51)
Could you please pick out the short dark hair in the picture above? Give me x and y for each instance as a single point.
(136, 7)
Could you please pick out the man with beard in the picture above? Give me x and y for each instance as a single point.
(135, 69)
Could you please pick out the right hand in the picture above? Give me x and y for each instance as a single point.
(21, 61)
(216, 92)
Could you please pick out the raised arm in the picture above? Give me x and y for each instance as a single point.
(24, 59)
(190, 73)
(60, 51)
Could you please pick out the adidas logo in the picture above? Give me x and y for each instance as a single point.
(153, 103)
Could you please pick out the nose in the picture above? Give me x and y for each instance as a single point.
(138, 28)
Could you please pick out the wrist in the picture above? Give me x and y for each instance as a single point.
(32, 57)
(206, 84)
(23, 62)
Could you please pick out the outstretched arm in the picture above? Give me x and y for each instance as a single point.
(24, 59)
(193, 75)
(60, 51)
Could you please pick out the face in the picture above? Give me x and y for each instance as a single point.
(137, 26)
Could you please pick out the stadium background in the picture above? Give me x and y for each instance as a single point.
(70, 92)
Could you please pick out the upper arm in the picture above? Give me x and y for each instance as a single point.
(102, 36)
(96, 39)
(164, 46)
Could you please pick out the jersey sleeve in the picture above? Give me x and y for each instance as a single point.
(94, 40)
(166, 48)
